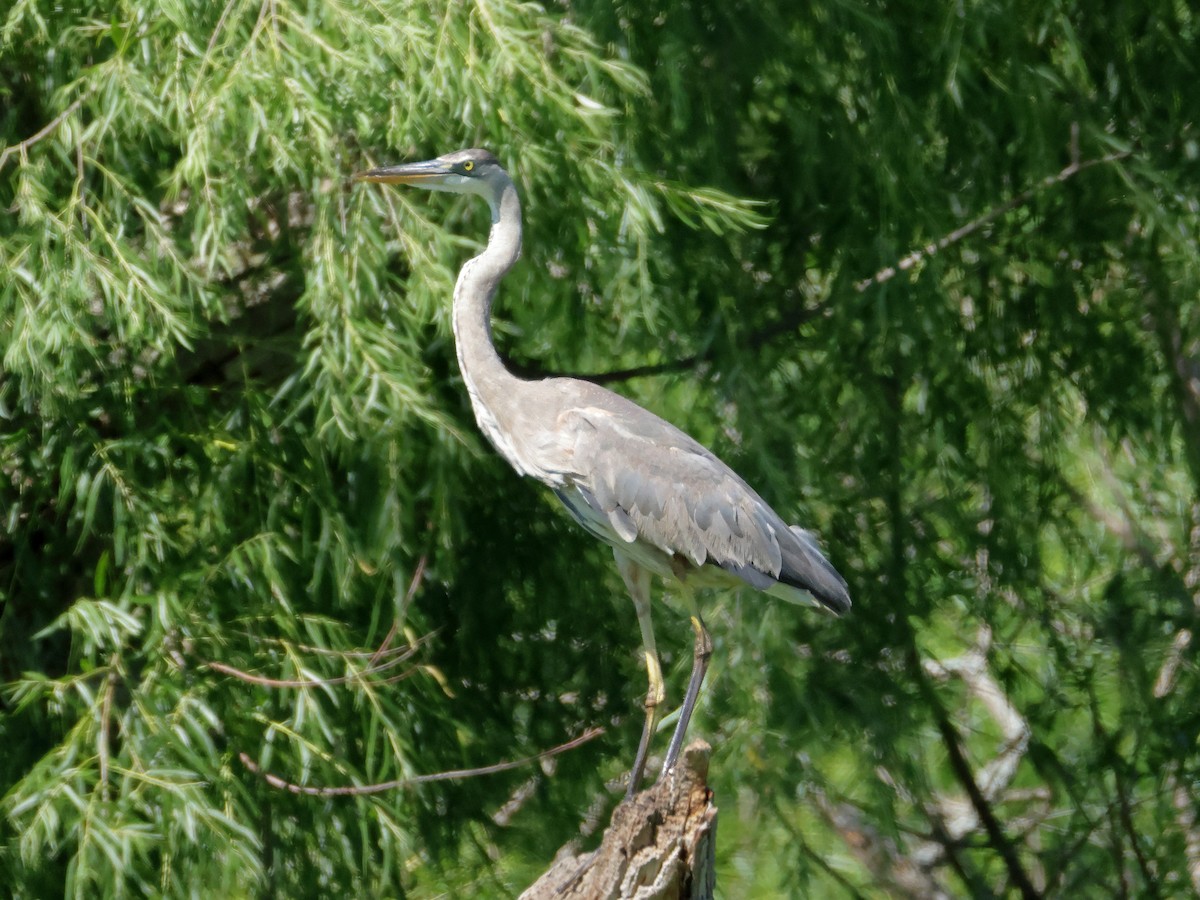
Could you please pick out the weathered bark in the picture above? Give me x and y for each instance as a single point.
(660, 844)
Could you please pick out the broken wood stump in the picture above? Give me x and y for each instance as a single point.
(660, 844)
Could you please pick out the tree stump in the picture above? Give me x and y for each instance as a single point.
(660, 844)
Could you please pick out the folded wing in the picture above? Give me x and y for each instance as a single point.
(652, 483)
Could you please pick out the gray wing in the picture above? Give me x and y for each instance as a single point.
(655, 484)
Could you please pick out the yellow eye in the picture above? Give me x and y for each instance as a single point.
(468, 166)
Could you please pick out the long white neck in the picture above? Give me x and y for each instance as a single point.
(495, 392)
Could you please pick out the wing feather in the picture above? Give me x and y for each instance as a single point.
(676, 495)
(655, 485)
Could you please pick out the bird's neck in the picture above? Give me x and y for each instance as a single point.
(493, 389)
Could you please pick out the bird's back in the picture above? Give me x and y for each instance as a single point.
(654, 493)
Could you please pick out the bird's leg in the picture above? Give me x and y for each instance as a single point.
(637, 580)
(700, 657)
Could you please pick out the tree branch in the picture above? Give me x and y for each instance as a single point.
(1069, 171)
(263, 681)
(757, 339)
(359, 790)
(45, 131)
(792, 321)
(995, 832)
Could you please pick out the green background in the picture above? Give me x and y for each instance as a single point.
(232, 430)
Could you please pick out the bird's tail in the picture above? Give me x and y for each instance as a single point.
(806, 568)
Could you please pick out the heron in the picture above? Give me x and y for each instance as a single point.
(664, 503)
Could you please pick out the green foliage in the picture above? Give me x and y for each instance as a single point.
(246, 509)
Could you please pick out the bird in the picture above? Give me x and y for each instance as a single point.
(665, 504)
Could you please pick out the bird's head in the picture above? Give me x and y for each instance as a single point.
(461, 172)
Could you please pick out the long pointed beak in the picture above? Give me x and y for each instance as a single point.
(426, 173)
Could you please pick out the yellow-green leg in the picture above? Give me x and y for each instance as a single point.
(637, 581)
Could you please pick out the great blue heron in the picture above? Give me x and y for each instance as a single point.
(665, 504)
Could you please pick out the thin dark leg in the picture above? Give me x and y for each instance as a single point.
(639, 762)
(700, 658)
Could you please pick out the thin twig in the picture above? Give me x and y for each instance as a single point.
(352, 654)
(413, 584)
(264, 681)
(455, 775)
(391, 656)
(757, 339)
(1070, 171)
(48, 129)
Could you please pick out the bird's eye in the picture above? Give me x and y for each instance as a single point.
(468, 166)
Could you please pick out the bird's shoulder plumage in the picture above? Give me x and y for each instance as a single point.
(653, 484)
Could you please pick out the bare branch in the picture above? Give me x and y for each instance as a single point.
(972, 668)
(263, 681)
(351, 654)
(757, 339)
(798, 317)
(390, 656)
(413, 584)
(381, 787)
(45, 131)
(1015, 202)
(979, 801)
(995, 831)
